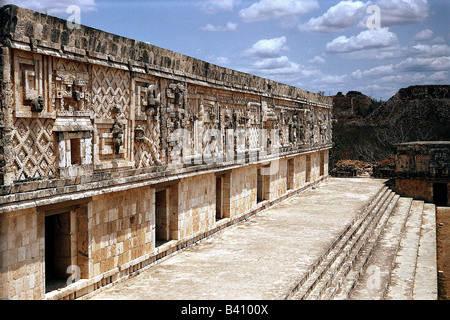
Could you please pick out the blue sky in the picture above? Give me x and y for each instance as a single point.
(315, 45)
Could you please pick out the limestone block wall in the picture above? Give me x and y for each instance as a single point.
(243, 190)
(420, 188)
(315, 166)
(299, 171)
(326, 161)
(22, 255)
(423, 159)
(107, 231)
(196, 204)
(422, 170)
(278, 180)
(122, 228)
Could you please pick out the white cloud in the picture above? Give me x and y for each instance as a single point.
(439, 76)
(337, 18)
(424, 64)
(424, 35)
(52, 6)
(230, 26)
(409, 71)
(222, 61)
(282, 69)
(369, 39)
(317, 59)
(347, 13)
(435, 50)
(330, 79)
(373, 72)
(214, 6)
(438, 40)
(392, 52)
(277, 9)
(415, 78)
(267, 47)
(394, 12)
(278, 63)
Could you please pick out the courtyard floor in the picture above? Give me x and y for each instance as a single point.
(258, 259)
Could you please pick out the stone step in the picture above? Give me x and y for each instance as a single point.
(330, 282)
(425, 280)
(310, 280)
(355, 267)
(401, 282)
(373, 283)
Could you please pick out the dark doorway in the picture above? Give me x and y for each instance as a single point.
(57, 250)
(161, 218)
(66, 244)
(440, 194)
(308, 168)
(259, 186)
(290, 174)
(322, 163)
(219, 198)
(223, 189)
(75, 151)
(263, 184)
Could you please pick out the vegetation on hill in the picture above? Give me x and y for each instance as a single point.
(366, 129)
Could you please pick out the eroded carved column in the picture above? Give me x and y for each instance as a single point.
(6, 118)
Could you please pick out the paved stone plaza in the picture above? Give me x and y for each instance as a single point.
(261, 258)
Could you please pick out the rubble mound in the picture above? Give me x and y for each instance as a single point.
(384, 168)
(352, 168)
(351, 107)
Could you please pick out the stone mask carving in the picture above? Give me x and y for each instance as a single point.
(77, 95)
(153, 100)
(38, 104)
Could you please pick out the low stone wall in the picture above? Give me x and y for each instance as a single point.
(422, 171)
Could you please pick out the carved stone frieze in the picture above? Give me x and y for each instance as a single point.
(86, 117)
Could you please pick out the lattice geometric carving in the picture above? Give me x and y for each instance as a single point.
(69, 65)
(253, 137)
(110, 87)
(253, 125)
(34, 149)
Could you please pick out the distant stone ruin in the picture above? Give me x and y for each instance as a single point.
(422, 171)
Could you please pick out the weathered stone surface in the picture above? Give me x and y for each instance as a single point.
(156, 99)
(260, 259)
(419, 166)
(123, 152)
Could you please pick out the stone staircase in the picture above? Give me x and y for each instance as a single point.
(388, 252)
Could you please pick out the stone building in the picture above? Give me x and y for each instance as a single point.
(422, 171)
(116, 153)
